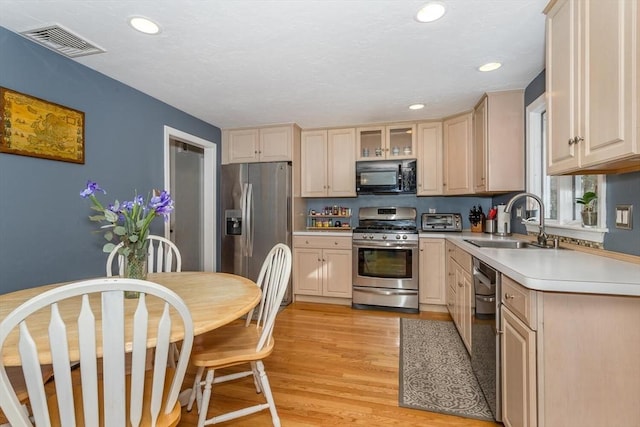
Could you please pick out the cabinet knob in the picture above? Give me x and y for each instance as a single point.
(571, 141)
(509, 296)
(335, 243)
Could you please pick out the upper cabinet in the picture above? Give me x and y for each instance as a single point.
(458, 162)
(498, 142)
(328, 163)
(592, 86)
(386, 142)
(429, 159)
(268, 144)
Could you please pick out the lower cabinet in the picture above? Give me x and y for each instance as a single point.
(460, 291)
(433, 287)
(569, 359)
(518, 357)
(322, 266)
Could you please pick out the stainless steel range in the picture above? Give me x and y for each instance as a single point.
(385, 259)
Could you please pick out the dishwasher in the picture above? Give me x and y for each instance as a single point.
(485, 334)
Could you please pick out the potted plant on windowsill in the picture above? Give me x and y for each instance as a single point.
(589, 212)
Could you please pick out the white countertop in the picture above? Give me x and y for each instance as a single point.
(556, 270)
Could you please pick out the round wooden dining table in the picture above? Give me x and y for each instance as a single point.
(214, 299)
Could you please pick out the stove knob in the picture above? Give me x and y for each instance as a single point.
(397, 236)
(384, 237)
(404, 236)
(370, 236)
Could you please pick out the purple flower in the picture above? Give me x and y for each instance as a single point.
(162, 204)
(92, 187)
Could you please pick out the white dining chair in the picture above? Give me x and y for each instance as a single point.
(240, 343)
(98, 325)
(164, 256)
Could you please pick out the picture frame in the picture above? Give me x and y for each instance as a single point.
(34, 127)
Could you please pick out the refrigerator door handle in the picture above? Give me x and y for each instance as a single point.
(249, 214)
(245, 224)
(288, 215)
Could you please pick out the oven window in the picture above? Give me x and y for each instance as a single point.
(385, 263)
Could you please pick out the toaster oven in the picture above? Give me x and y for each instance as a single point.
(441, 222)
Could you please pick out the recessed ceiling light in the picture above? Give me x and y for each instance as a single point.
(144, 25)
(430, 12)
(416, 106)
(490, 66)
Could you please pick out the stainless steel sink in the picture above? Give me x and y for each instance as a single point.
(504, 244)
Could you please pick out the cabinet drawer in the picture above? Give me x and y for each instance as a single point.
(322, 242)
(520, 300)
(463, 258)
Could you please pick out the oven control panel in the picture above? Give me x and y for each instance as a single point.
(441, 222)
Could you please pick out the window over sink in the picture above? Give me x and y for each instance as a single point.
(559, 193)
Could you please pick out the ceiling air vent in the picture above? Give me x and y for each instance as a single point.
(63, 41)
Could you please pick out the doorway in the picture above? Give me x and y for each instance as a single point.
(190, 176)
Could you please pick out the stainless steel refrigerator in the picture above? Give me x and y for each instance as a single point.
(256, 206)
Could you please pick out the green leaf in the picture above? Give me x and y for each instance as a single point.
(133, 238)
(108, 247)
(119, 230)
(108, 235)
(97, 218)
(110, 216)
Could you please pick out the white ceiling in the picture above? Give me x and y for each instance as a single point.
(317, 63)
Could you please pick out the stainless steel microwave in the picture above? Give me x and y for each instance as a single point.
(386, 177)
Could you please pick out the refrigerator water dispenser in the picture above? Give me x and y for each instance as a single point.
(233, 219)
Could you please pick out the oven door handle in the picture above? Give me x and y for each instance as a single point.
(378, 291)
(373, 245)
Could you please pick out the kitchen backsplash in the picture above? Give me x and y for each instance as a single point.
(460, 205)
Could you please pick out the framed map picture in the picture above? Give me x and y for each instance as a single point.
(37, 128)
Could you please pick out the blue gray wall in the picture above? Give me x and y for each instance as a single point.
(461, 205)
(45, 235)
(623, 190)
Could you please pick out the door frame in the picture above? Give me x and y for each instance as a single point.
(210, 253)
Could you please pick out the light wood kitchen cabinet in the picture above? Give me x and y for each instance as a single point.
(395, 141)
(269, 144)
(322, 266)
(429, 163)
(460, 293)
(328, 163)
(569, 359)
(433, 286)
(458, 149)
(518, 361)
(498, 141)
(592, 86)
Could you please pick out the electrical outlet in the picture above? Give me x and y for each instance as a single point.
(519, 212)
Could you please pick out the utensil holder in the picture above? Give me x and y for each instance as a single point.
(490, 226)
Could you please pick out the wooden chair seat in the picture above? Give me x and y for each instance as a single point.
(228, 346)
(170, 420)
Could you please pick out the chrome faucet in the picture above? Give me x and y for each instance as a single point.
(542, 236)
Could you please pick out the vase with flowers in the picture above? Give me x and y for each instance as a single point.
(128, 223)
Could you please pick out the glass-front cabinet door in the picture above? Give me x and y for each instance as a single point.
(371, 144)
(401, 141)
(386, 142)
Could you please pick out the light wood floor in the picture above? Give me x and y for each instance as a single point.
(332, 366)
